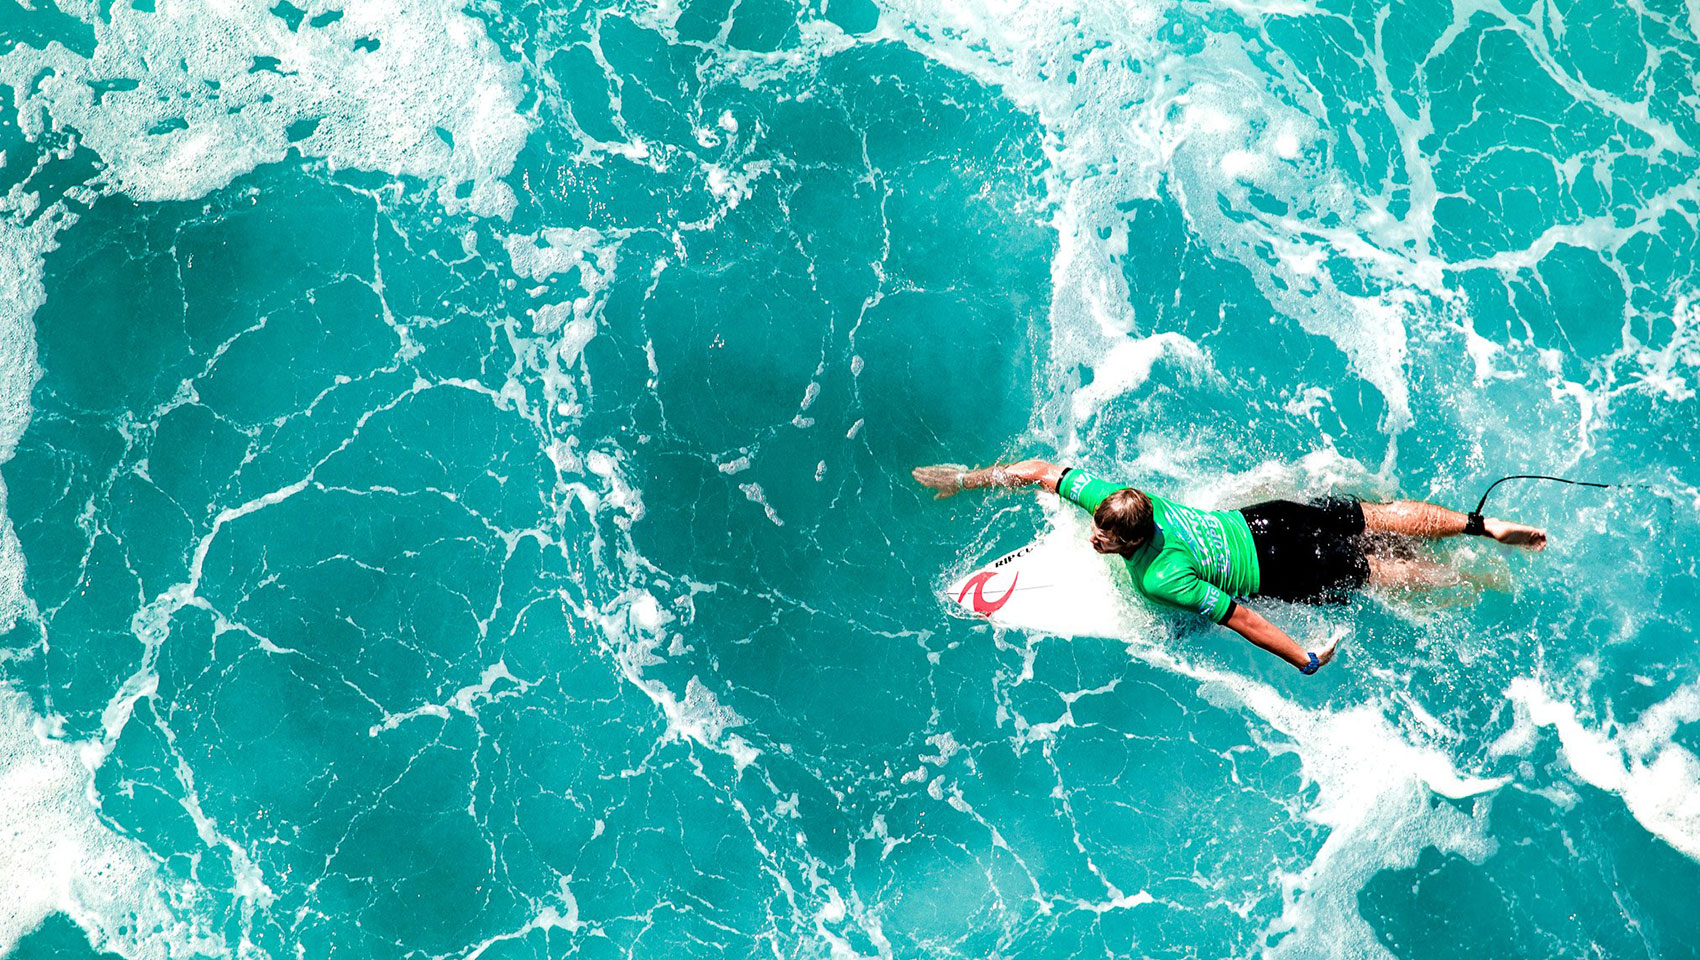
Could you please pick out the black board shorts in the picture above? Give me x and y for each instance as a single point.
(1309, 552)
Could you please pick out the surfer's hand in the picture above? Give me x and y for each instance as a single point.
(945, 478)
(1324, 655)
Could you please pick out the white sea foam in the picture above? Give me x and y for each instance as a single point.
(559, 249)
(620, 494)
(1374, 794)
(756, 495)
(466, 700)
(21, 293)
(14, 602)
(61, 858)
(635, 624)
(1318, 473)
(1658, 780)
(1128, 365)
(560, 329)
(433, 100)
(1306, 401)
(562, 915)
(701, 716)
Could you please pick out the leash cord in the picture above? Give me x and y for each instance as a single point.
(1540, 476)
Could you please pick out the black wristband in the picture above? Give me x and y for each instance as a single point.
(1475, 525)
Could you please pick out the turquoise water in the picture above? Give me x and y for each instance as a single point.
(456, 486)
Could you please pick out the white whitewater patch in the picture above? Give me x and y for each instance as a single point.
(466, 700)
(619, 494)
(1657, 779)
(21, 294)
(1128, 365)
(636, 627)
(14, 602)
(1375, 794)
(180, 101)
(560, 249)
(1316, 474)
(756, 495)
(731, 186)
(61, 858)
(559, 329)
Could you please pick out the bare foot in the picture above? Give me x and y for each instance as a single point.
(946, 478)
(1516, 534)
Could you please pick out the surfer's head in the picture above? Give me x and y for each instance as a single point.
(1122, 523)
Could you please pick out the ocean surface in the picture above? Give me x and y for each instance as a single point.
(456, 490)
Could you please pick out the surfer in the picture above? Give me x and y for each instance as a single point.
(1201, 560)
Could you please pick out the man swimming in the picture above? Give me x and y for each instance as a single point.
(1201, 560)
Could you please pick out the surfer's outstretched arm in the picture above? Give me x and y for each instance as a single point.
(951, 478)
(1250, 624)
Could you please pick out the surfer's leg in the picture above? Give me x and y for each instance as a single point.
(1415, 518)
(1407, 574)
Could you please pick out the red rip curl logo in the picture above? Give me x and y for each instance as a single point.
(977, 583)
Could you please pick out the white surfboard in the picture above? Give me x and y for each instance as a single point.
(1057, 585)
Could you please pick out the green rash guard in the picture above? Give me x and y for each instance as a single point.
(1198, 561)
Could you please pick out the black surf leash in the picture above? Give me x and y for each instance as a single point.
(1474, 522)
